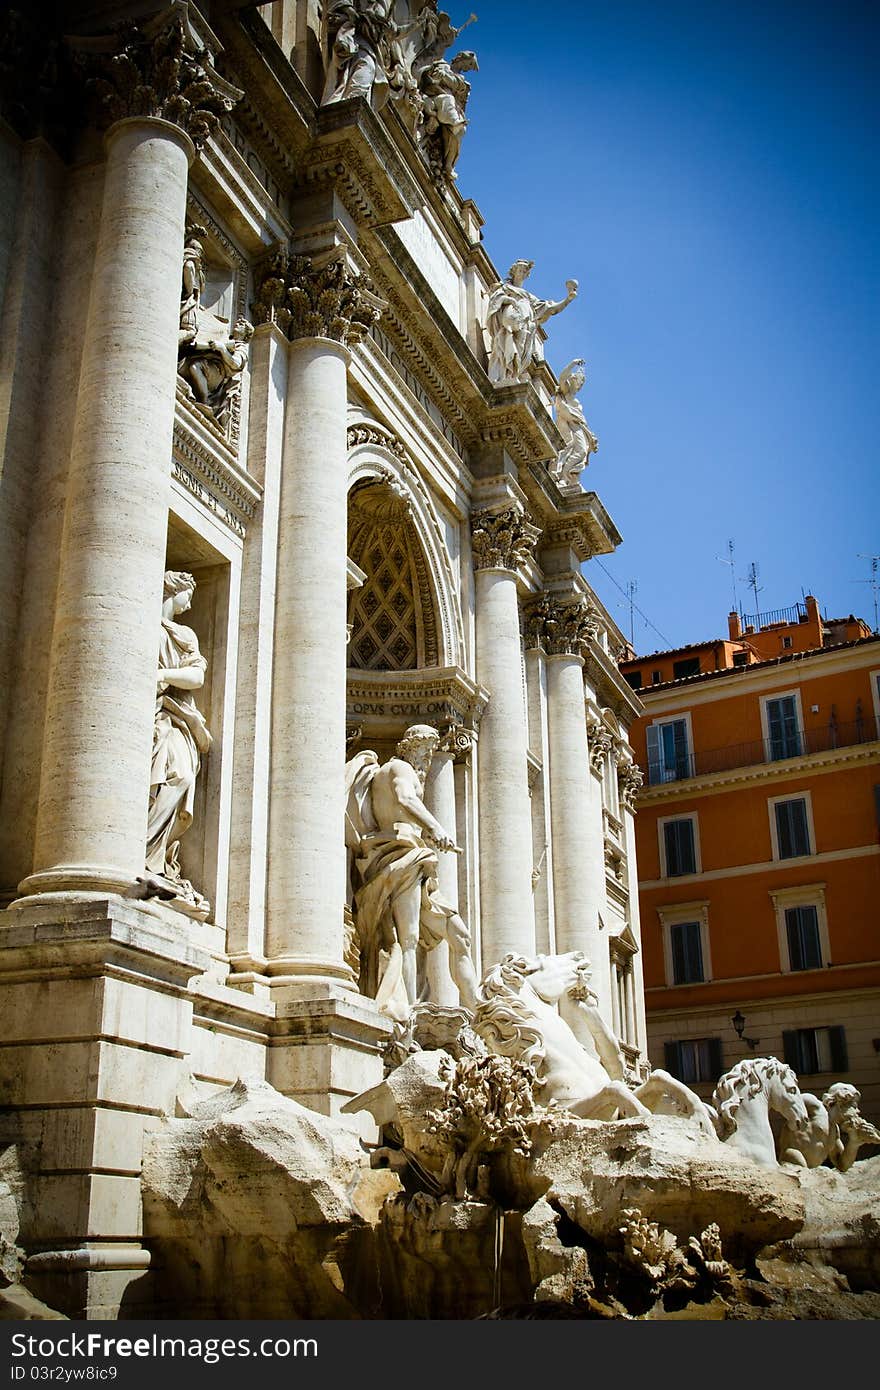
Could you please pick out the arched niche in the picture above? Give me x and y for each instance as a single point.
(407, 614)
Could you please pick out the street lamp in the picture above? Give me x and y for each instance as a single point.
(739, 1023)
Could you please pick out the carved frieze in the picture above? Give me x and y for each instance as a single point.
(309, 300)
(158, 69)
(502, 540)
(560, 628)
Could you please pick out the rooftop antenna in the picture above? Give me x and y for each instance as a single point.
(632, 588)
(756, 588)
(731, 563)
(874, 581)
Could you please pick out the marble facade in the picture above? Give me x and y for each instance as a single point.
(248, 341)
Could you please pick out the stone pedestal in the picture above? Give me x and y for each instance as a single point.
(97, 1025)
(91, 825)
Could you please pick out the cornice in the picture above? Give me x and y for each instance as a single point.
(444, 694)
(826, 761)
(611, 689)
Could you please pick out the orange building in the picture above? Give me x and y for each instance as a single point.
(758, 849)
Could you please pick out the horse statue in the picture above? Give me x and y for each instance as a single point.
(516, 1017)
(743, 1099)
(835, 1131)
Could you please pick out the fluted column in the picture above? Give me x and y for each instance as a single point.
(322, 309)
(501, 541)
(440, 800)
(578, 852)
(94, 791)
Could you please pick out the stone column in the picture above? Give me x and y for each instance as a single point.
(501, 541)
(578, 849)
(321, 309)
(92, 816)
(440, 800)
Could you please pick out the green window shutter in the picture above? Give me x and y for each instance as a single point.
(716, 1061)
(837, 1042)
(791, 1051)
(654, 765)
(672, 1058)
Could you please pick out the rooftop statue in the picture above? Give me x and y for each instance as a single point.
(444, 94)
(360, 33)
(580, 441)
(512, 322)
(393, 841)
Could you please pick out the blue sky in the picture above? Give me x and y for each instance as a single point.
(708, 172)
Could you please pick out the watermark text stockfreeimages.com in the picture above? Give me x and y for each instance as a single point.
(30, 1351)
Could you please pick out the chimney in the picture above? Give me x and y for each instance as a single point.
(734, 626)
(812, 609)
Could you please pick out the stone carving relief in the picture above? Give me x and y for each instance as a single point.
(315, 298)
(560, 627)
(210, 357)
(514, 316)
(835, 1132)
(180, 740)
(631, 780)
(488, 1105)
(580, 441)
(159, 68)
(393, 842)
(502, 540)
(383, 51)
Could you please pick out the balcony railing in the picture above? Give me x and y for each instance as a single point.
(793, 744)
(796, 614)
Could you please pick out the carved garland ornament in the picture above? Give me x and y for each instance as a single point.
(309, 301)
(502, 540)
(159, 71)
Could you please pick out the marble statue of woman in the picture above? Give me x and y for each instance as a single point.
(580, 441)
(180, 738)
(359, 36)
(513, 318)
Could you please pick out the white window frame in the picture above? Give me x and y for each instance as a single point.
(671, 916)
(772, 803)
(675, 719)
(765, 722)
(808, 895)
(662, 821)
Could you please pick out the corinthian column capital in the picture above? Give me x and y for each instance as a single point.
(157, 69)
(502, 540)
(309, 299)
(560, 628)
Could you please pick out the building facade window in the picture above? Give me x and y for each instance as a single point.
(802, 927)
(669, 751)
(694, 1059)
(690, 666)
(782, 726)
(687, 953)
(678, 846)
(685, 928)
(802, 934)
(811, 1050)
(791, 828)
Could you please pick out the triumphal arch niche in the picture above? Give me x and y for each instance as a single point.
(284, 487)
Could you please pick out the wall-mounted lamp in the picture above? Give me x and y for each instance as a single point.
(739, 1022)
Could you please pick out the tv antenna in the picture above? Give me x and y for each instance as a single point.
(632, 588)
(731, 563)
(874, 581)
(756, 588)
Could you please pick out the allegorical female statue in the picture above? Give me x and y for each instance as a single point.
(513, 317)
(580, 441)
(180, 738)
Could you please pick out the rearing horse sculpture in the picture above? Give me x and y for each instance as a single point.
(516, 1018)
(744, 1097)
